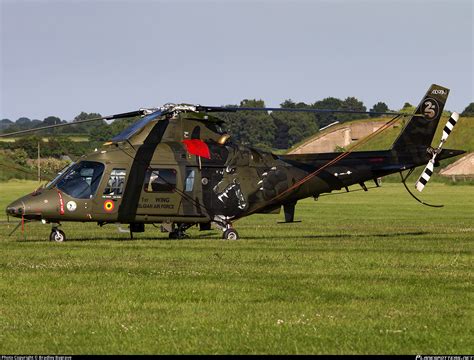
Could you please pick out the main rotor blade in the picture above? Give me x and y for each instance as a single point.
(328, 111)
(140, 112)
(136, 127)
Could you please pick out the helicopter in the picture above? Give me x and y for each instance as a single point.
(176, 167)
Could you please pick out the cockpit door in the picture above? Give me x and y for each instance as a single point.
(110, 192)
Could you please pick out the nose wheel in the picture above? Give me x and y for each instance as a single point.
(57, 235)
(230, 234)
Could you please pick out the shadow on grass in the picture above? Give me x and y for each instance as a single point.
(119, 238)
(217, 236)
(339, 236)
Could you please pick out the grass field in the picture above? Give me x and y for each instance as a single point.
(363, 273)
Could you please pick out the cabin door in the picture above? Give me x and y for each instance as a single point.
(110, 192)
(161, 192)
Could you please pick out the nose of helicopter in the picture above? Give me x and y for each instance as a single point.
(29, 207)
(16, 208)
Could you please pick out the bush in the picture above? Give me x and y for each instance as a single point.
(469, 110)
(19, 156)
(49, 166)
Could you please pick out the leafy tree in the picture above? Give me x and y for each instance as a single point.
(36, 123)
(5, 123)
(28, 144)
(49, 166)
(469, 110)
(19, 156)
(102, 132)
(379, 107)
(288, 104)
(352, 104)
(300, 126)
(291, 127)
(408, 108)
(55, 147)
(86, 116)
(51, 120)
(332, 103)
(117, 126)
(253, 128)
(88, 128)
(23, 123)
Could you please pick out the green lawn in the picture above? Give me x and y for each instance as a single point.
(363, 273)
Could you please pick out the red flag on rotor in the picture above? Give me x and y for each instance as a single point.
(197, 147)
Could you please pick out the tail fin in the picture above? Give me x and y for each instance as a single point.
(420, 130)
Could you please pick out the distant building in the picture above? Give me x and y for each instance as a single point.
(339, 136)
(461, 169)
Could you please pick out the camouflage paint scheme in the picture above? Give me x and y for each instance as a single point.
(235, 182)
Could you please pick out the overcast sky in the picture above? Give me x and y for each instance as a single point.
(63, 57)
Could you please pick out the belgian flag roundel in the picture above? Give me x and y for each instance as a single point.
(109, 205)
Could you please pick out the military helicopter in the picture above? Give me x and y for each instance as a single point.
(178, 168)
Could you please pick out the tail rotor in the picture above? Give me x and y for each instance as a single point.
(428, 171)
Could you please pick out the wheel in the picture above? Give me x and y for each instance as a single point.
(57, 235)
(230, 234)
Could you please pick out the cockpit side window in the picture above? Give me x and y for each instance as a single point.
(116, 183)
(82, 180)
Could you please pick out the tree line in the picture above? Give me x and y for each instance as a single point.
(276, 130)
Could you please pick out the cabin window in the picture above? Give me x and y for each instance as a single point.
(189, 182)
(160, 180)
(116, 183)
(82, 179)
